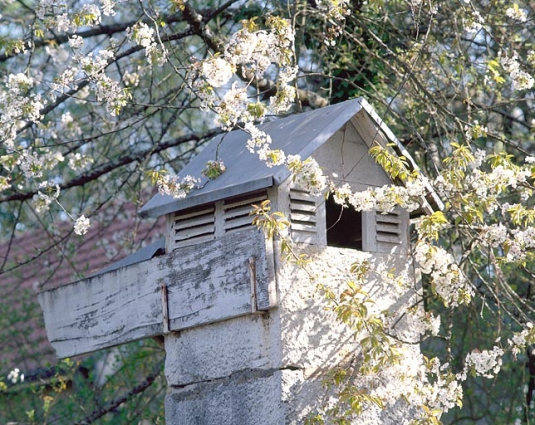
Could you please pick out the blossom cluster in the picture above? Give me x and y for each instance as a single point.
(214, 169)
(15, 376)
(521, 79)
(519, 340)
(175, 186)
(48, 192)
(63, 20)
(473, 22)
(307, 174)
(385, 198)
(78, 162)
(447, 279)
(438, 388)
(336, 10)
(19, 104)
(143, 35)
(249, 53)
(81, 225)
(259, 143)
(485, 363)
(514, 12)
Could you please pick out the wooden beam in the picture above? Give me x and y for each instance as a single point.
(205, 283)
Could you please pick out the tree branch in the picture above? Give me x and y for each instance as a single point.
(142, 386)
(112, 165)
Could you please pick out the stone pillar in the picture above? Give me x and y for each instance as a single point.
(267, 368)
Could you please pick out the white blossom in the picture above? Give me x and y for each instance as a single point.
(495, 234)
(307, 174)
(447, 280)
(175, 186)
(78, 161)
(217, 71)
(475, 22)
(485, 363)
(521, 79)
(516, 13)
(15, 376)
(108, 7)
(31, 165)
(93, 14)
(143, 35)
(64, 24)
(81, 225)
(76, 42)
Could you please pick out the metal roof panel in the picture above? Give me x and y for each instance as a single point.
(299, 134)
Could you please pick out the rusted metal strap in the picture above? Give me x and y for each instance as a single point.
(252, 276)
(165, 308)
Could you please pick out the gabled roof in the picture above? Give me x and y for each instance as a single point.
(299, 134)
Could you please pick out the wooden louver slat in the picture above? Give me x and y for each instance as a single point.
(193, 227)
(236, 211)
(388, 231)
(303, 208)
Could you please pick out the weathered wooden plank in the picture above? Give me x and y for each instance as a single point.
(388, 218)
(205, 283)
(388, 228)
(193, 222)
(191, 232)
(103, 311)
(246, 220)
(295, 216)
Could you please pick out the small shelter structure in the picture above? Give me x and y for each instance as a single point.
(246, 335)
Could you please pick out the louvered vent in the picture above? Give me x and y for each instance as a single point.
(236, 211)
(303, 208)
(388, 229)
(193, 226)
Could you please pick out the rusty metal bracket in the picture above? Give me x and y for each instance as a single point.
(252, 276)
(165, 308)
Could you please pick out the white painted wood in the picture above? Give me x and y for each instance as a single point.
(253, 199)
(321, 223)
(385, 233)
(298, 227)
(303, 209)
(219, 220)
(205, 283)
(238, 223)
(240, 211)
(192, 232)
(310, 218)
(169, 241)
(203, 211)
(191, 228)
(267, 295)
(390, 227)
(193, 222)
(369, 239)
(235, 213)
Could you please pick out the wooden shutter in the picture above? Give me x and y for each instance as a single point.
(304, 216)
(191, 227)
(235, 211)
(386, 232)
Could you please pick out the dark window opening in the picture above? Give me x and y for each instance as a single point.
(344, 225)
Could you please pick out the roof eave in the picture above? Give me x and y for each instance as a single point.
(431, 202)
(193, 200)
